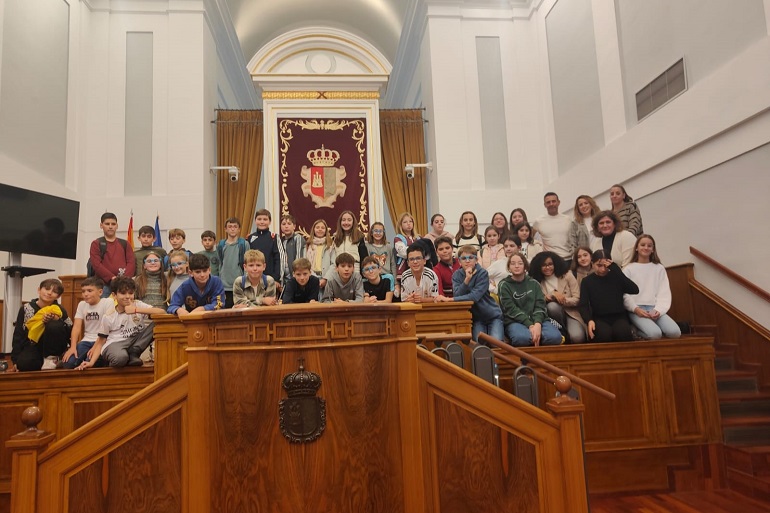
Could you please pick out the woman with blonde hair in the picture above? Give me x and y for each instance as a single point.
(581, 231)
(405, 237)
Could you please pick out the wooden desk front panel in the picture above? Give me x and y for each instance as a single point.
(666, 391)
(367, 459)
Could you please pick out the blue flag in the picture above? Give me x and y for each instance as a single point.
(157, 242)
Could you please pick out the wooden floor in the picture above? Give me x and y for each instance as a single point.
(721, 501)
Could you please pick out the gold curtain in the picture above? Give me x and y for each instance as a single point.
(239, 143)
(403, 142)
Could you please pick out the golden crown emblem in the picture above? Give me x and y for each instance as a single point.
(323, 157)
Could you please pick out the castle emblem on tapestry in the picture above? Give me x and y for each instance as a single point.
(323, 182)
(322, 170)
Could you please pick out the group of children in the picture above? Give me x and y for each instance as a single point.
(265, 269)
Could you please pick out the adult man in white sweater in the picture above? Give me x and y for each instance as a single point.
(554, 227)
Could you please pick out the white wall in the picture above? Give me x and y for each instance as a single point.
(450, 91)
(721, 212)
(186, 75)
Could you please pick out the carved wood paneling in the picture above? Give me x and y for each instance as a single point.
(143, 474)
(685, 413)
(71, 295)
(666, 397)
(480, 466)
(67, 398)
(625, 422)
(359, 452)
(651, 408)
(468, 423)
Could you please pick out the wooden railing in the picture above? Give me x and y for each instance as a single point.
(746, 283)
(132, 454)
(517, 456)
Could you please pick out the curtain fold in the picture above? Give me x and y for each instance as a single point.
(239, 143)
(403, 142)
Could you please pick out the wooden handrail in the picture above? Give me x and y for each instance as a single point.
(762, 293)
(547, 366)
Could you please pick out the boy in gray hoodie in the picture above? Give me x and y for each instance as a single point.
(344, 285)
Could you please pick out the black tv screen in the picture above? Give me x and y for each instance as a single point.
(38, 224)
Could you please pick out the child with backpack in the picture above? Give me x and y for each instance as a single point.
(109, 255)
(231, 252)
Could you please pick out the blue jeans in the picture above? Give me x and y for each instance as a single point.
(493, 328)
(664, 326)
(520, 336)
(82, 349)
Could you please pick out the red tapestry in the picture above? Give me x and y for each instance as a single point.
(323, 170)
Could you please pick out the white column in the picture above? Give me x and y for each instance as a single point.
(608, 64)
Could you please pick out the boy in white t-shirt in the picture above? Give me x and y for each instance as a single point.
(126, 331)
(88, 319)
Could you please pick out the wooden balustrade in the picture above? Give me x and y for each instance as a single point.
(485, 450)
(405, 430)
(69, 399)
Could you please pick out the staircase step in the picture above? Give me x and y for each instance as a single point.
(753, 460)
(724, 362)
(747, 420)
(746, 433)
(736, 404)
(736, 380)
(704, 330)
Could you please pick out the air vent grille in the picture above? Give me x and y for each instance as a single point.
(670, 84)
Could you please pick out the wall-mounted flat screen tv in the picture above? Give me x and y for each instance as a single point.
(38, 224)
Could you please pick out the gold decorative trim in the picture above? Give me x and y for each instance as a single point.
(358, 135)
(320, 95)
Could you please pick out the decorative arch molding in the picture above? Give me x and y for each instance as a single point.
(314, 57)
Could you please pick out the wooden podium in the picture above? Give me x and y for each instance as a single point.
(366, 459)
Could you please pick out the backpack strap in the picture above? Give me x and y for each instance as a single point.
(221, 250)
(243, 246)
(102, 247)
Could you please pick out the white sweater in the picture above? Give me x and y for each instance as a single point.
(654, 289)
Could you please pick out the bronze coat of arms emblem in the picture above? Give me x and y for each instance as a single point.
(302, 415)
(323, 182)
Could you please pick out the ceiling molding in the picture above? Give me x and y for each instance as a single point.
(407, 56)
(230, 54)
(319, 56)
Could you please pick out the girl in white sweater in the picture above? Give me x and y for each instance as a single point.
(648, 308)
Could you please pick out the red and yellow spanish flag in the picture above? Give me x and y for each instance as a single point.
(130, 235)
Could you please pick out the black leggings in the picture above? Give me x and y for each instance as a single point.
(612, 328)
(53, 342)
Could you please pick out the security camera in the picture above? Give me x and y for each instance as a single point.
(232, 172)
(409, 169)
